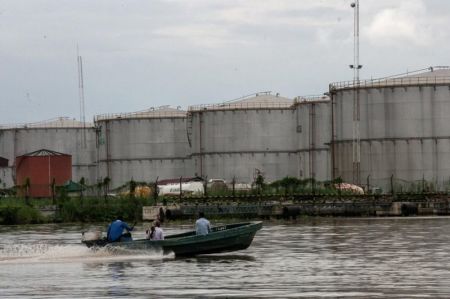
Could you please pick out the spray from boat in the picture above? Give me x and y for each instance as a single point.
(63, 253)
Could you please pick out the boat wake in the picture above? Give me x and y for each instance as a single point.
(52, 253)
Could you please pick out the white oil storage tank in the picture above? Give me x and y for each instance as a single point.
(313, 118)
(63, 134)
(238, 139)
(143, 146)
(404, 124)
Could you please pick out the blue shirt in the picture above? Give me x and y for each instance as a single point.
(202, 226)
(115, 230)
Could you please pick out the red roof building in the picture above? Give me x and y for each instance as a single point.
(41, 168)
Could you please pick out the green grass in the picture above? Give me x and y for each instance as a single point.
(92, 209)
(11, 215)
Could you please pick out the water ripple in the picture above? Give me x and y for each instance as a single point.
(312, 257)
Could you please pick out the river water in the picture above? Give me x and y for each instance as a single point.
(312, 257)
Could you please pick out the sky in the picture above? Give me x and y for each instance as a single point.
(142, 54)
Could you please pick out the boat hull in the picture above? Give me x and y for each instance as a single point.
(222, 239)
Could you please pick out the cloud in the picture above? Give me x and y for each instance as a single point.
(166, 50)
(209, 36)
(408, 22)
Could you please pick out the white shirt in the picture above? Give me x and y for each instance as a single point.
(202, 226)
(158, 234)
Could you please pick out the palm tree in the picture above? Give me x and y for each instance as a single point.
(82, 183)
(259, 182)
(132, 188)
(82, 186)
(27, 186)
(99, 187)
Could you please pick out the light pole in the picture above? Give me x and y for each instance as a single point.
(356, 142)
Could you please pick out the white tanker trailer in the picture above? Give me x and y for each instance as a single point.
(194, 188)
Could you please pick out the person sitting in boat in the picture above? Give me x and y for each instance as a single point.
(116, 231)
(150, 232)
(202, 225)
(159, 234)
(156, 232)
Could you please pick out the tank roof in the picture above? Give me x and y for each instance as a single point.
(60, 122)
(153, 112)
(427, 76)
(254, 101)
(441, 71)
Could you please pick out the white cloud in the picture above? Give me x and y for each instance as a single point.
(209, 36)
(408, 22)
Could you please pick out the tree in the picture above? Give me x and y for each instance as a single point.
(106, 182)
(99, 187)
(132, 188)
(289, 183)
(82, 183)
(259, 182)
(155, 190)
(27, 186)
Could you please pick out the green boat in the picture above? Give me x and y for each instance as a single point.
(224, 238)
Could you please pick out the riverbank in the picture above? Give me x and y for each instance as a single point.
(291, 207)
(90, 209)
(275, 206)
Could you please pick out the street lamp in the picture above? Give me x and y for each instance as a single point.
(355, 6)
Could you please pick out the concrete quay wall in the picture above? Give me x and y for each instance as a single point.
(291, 209)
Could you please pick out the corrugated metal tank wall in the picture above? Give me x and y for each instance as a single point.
(233, 143)
(19, 141)
(7, 145)
(6, 177)
(404, 133)
(143, 149)
(314, 135)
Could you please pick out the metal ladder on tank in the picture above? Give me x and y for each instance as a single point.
(189, 120)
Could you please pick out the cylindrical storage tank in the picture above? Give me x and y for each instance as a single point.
(62, 134)
(6, 177)
(6, 174)
(403, 130)
(3, 162)
(314, 135)
(38, 173)
(143, 146)
(241, 138)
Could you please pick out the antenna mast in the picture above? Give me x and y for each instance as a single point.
(81, 96)
(356, 107)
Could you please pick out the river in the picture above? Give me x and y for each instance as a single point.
(311, 257)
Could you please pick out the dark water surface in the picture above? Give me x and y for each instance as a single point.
(314, 257)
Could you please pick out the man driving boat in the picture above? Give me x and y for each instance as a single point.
(116, 231)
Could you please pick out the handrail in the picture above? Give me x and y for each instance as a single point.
(405, 79)
(255, 94)
(158, 112)
(239, 104)
(311, 98)
(245, 105)
(387, 82)
(59, 122)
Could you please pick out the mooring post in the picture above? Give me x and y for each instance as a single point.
(392, 184)
(155, 191)
(181, 189)
(233, 182)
